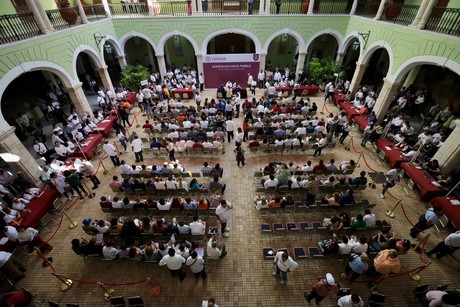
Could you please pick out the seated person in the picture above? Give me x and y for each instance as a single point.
(183, 228)
(333, 201)
(215, 251)
(344, 221)
(432, 167)
(359, 246)
(206, 169)
(275, 202)
(102, 226)
(110, 251)
(329, 182)
(369, 218)
(358, 222)
(358, 181)
(85, 247)
(341, 184)
(216, 185)
(347, 198)
(348, 165)
(190, 204)
(163, 205)
(197, 227)
(30, 193)
(195, 186)
(344, 247)
(105, 203)
(19, 204)
(271, 183)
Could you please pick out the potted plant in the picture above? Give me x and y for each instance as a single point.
(322, 71)
(132, 76)
(67, 13)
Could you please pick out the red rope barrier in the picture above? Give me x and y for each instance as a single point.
(45, 261)
(410, 222)
(353, 146)
(75, 201)
(113, 284)
(365, 161)
(55, 232)
(391, 195)
(325, 107)
(378, 279)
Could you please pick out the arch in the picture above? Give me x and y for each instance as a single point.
(367, 54)
(91, 53)
(15, 72)
(113, 41)
(132, 34)
(332, 32)
(404, 68)
(290, 32)
(210, 36)
(348, 39)
(164, 39)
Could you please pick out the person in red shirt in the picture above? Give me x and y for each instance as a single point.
(148, 125)
(321, 167)
(322, 289)
(245, 130)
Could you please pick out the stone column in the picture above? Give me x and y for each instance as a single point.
(448, 155)
(380, 11)
(386, 95)
(194, 7)
(81, 12)
(426, 14)
(353, 7)
(161, 64)
(200, 7)
(105, 78)
(9, 143)
(78, 97)
(122, 60)
(44, 16)
(199, 63)
(262, 60)
(300, 63)
(262, 5)
(37, 17)
(311, 5)
(105, 3)
(357, 76)
(419, 15)
(340, 57)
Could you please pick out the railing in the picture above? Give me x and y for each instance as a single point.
(444, 20)
(177, 8)
(63, 18)
(367, 8)
(289, 7)
(95, 12)
(230, 7)
(402, 14)
(129, 10)
(16, 27)
(333, 7)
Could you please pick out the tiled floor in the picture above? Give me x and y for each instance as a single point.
(243, 278)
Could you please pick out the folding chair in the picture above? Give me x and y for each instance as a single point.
(279, 227)
(292, 226)
(299, 253)
(46, 220)
(52, 304)
(265, 228)
(304, 226)
(135, 301)
(57, 204)
(420, 290)
(376, 300)
(117, 301)
(313, 251)
(268, 253)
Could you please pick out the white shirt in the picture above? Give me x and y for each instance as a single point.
(284, 266)
(369, 219)
(453, 239)
(230, 126)
(224, 213)
(213, 252)
(110, 149)
(125, 169)
(11, 233)
(173, 263)
(4, 257)
(109, 253)
(196, 265)
(137, 145)
(27, 235)
(197, 228)
(345, 301)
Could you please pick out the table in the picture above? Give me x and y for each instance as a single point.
(312, 89)
(105, 126)
(88, 151)
(423, 179)
(361, 121)
(285, 89)
(451, 211)
(243, 93)
(183, 93)
(392, 155)
(349, 109)
(39, 206)
(338, 98)
(131, 97)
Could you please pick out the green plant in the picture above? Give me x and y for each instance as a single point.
(322, 71)
(132, 76)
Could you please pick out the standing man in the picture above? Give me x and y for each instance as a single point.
(391, 179)
(111, 151)
(229, 110)
(11, 266)
(137, 148)
(322, 289)
(250, 6)
(223, 215)
(426, 221)
(446, 247)
(283, 264)
(278, 6)
(170, 149)
(261, 79)
(250, 80)
(196, 264)
(201, 77)
(174, 263)
(31, 238)
(230, 127)
(321, 144)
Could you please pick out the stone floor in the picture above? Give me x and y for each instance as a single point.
(243, 278)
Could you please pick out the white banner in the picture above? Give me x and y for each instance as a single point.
(232, 58)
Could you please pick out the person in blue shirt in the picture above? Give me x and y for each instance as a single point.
(347, 198)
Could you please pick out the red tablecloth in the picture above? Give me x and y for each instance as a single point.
(106, 125)
(39, 206)
(92, 141)
(312, 89)
(131, 97)
(450, 210)
(423, 180)
(349, 109)
(182, 93)
(243, 93)
(393, 155)
(338, 98)
(361, 121)
(284, 89)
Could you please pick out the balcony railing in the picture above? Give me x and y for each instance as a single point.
(63, 18)
(16, 27)
(333, 7)
(289, 7)
(402, 14)
(444, 20)
(367, 8)
(129, 10)
(229, 7)
(95, 12)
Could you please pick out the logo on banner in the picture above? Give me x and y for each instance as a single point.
(255, 57)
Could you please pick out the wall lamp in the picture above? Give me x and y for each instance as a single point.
(98, 40)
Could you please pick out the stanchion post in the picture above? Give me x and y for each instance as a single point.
(105, 172)
(415, 276)
(66, 283)
(349, 143)
(418, 246)
(72, 224)
(90, 194)
(391, 213)
(108, 293)
(359, 158)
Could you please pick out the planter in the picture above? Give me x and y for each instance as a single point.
(393, 9)
(69, 15)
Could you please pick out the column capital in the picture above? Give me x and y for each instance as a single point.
(6, 133)
(391, 83)
(362, 65)
(304, 53)
(120, 56)
(342, 53)
(101, 69)
(159, 55)
(75, 87)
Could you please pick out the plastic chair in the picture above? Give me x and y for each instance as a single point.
(135, 301)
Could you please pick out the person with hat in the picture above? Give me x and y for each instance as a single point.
(322, 289)
(283, 264)
(87, 226)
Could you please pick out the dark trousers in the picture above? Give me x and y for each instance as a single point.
(229, 114)
(201, 87)
(95, 180)
(343, 136)
(261, 84)
(203, 274)
(115, 160)
(171, 155)
(237, 107)
(419, 227)
(318, 151)
(139, 156)
(441, 249)
(222, 227)
(230, 135)
(178, 272)
(124, 121)
(79, 188)
(314, 295)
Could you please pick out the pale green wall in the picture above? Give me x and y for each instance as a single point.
(6, 7)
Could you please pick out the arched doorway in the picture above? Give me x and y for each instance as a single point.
(139, 51)
(283, 54)
(350, 58)
(377, 69)
(112, 62)
(230, 43)
(323, 46)
(179, 52)
(87, 74)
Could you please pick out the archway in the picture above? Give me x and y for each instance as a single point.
(282, 54)
(230, 43)
(110, 53)
(322, 47)
(350, 57)
(139, 51)
(179, 52)
(377, 69)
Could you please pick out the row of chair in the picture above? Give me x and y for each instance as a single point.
(186, 174)
(302, 208)
(173, 212)
(384, 226)
(260, 173)
(116, 301)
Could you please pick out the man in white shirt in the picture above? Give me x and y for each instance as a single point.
(321, 144)
(137, 149)
(31, 238)
(174, 263)
(393, 176)
(223, 215)
(125, 169)
(369, 218)
(197, 226)
(196, 264)
(352, 300)
(272, 182)
(112, 153)
(261, 78)
(11, 233)
(447, 246)
(283, 264)
(230, 127)
(215, 251)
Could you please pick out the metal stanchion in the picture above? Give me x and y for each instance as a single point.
(391, 213)
(415, 276)
(359, 158)
(66, 283)
(90, 194)
(105, 172)
(72, 224)
(108, 293)
(349, 143)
